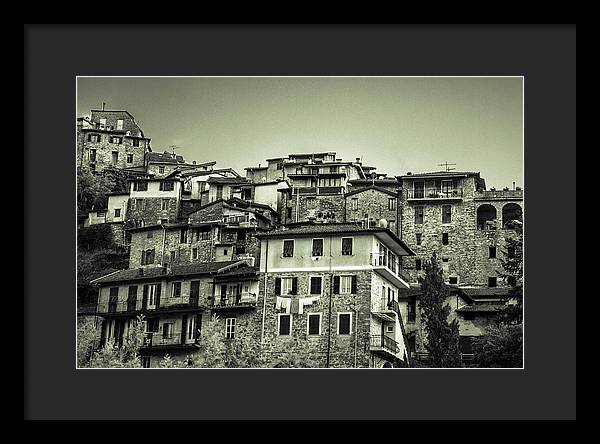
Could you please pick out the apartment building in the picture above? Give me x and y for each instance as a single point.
(175, 301)
(331, 295)
(110, 138)
(154, 199)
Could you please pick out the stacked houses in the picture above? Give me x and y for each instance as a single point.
(310, 254)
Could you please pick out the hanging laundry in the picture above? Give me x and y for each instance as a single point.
(295, 306)
(278, 303)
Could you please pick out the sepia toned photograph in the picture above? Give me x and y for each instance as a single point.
(300, 222)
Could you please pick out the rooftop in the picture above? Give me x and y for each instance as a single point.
(175, 271)
(440, 174)
(371, 187)
(482, 308)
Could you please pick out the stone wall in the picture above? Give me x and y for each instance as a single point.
(152, 210)
(375, 204)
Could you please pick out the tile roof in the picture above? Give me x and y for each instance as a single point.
(440, 174)
(475, 292)
(235, 180)
(164, 158)
(133, 274)
(484, 308)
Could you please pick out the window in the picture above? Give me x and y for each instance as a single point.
(103, 123)
(148, 257)
(418, 264)
(225, 252)
(317, 247)
(492, 281)
(389, 328)
(95, 138)
(284, 322)
(117, 212)
(311, 202)
(287, 285)
(445, 239)
(149, 234)
(168, 330)
(392, 225)
(354, 203)
(412, 309)
(173, 256)
(230, 328)
(288, 248)
(418, 190)
(194, 253)
(419, 238)
(140, 204)
(419, 215)
(92, 155)
(145, 361)
(116, 140)
(511, 280)
(115, 157)
(289, 213)
(316, 283)
(93, 167)
(140, 186)
(446, 214)
(279, 165)
(314, 324)
(391, 203)
(493, 252)
(346, 284)
(346, 246)
(167, 186)
(183, 236)
(333, 169)
(129, 158)
(194, 289)
(161, 169)
(344, 323)
(135, 142)
(164, 204)
(176, 290)
(453, 280)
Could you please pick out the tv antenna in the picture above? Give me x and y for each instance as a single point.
(173, 148)
(447, 166)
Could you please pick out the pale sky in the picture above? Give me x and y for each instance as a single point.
(397, 124)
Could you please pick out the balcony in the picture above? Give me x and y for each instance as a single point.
(233, 301)
(389, 268)
(174, 341)
(134, 307)
(435, 194)
(386, 310)
(384, 346)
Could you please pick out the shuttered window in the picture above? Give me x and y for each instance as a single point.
(316, 284)
(344, 323)
(317, 247)
(285, 324)
(288, 248)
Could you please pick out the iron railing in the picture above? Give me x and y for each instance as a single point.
(435, 193)
(385, 342)
(158, 339)
(235, 299)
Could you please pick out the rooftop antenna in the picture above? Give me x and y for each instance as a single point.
(173, 148)
(103, 105)
(447, 166)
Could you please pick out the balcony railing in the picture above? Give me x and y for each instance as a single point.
(390, 263)
(159, 339)
(435, 193)
(385, 343)
(126, 307)
(234, 300)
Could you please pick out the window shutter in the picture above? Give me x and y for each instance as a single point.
(143, 257)
(198, 326)
(278, 286)
(336, 285)
(158, 287)
(145, 297)
(183, 328)
(354, 284)
(295, 285)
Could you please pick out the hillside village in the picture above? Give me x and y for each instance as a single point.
(306, 253)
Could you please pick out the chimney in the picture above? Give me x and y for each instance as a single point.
(103, 105)
(514, 185)
(409, 173)
(358, 160)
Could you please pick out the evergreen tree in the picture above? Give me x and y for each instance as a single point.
(442, 336)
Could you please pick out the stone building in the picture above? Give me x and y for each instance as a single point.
(451, 213)
(154, 200)
(373, 203)
(176, 301)
(318, 182)
(331, 296)
(110, 138)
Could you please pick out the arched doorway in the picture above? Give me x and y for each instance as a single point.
(387, 365)
(511, 212)
(486, 217)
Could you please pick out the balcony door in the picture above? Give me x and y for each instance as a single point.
(447, 188)
(419, 190)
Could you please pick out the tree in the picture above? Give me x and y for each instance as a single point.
(442, 337)
(212, 348)
(88, 338)
(93, 187)
(112, 355)
(502, 344)
(243, 352)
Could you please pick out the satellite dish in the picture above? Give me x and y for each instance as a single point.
(382, 223)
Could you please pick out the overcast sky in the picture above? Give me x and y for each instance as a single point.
(396, 124)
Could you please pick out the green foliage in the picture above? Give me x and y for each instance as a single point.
(502, 345)
(92, 187)
(442, 337)
(113, 356)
